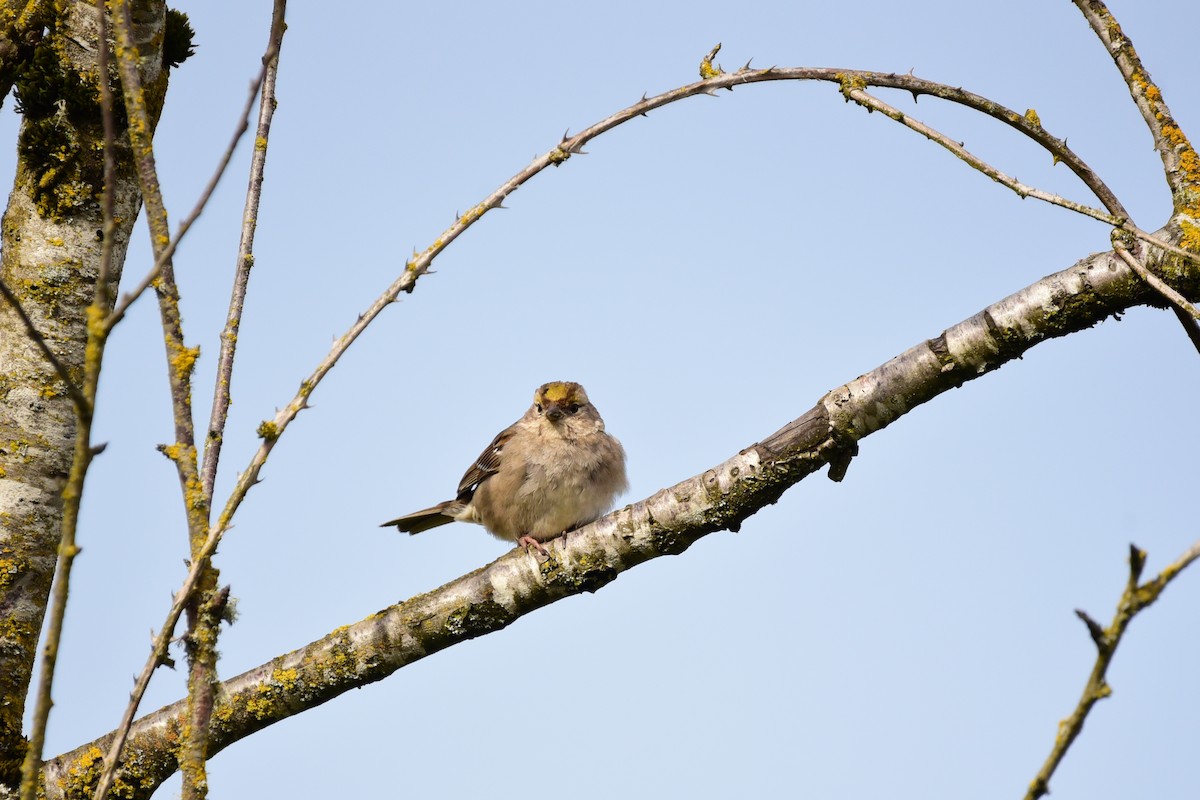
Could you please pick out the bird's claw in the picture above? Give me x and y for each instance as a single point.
(528, 542)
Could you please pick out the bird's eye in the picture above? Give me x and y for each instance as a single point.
(538, 406)
(573, 408)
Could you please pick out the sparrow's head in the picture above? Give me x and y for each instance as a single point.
(559, 400)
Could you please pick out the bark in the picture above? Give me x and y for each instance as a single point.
(51, 239)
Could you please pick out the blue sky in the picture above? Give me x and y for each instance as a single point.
(708, 273)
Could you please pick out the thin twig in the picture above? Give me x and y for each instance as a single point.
(180, 358)
(1134, 599)
(181, 361)
(245, 258)
(872, 103)
(243, 125)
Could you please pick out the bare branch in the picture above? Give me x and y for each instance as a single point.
(185, 225)
(1134, 599)
(245, 259)
(872, 103)
(181, 361)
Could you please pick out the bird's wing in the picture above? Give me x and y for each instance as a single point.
(485, 466)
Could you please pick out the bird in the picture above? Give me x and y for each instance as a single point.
(553, 470)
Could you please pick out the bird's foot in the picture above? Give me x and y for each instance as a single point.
(528, 542)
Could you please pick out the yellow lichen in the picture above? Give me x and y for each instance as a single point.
(286, 678)
(184, 360)
(1191, 236)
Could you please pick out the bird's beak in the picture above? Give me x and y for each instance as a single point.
(554, 412)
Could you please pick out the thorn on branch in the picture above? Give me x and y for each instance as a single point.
(1094, 630)
(746, 67)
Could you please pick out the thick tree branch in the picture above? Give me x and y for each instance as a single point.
(667, 523)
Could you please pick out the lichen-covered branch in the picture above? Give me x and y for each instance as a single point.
(141, 98)
(667, 523)
(1180, 162)
(1134, 599)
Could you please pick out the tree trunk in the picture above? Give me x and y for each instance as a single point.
(51, 238)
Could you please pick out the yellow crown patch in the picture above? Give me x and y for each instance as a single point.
(561, 392)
